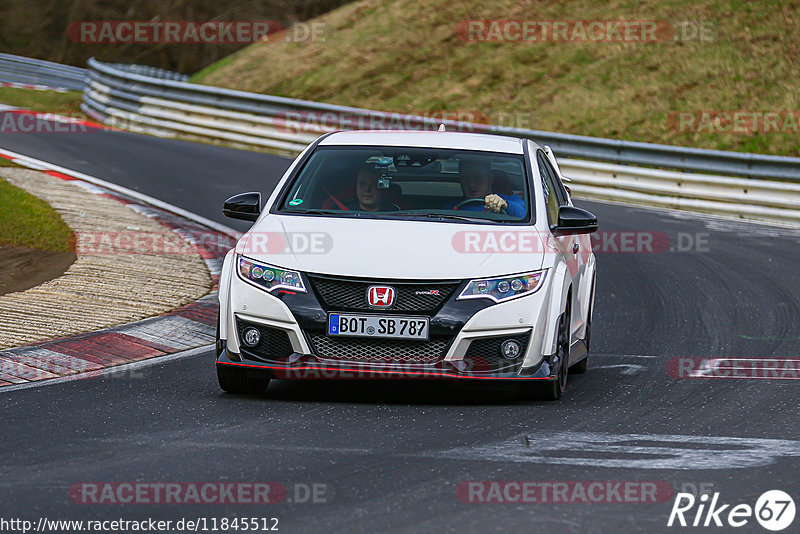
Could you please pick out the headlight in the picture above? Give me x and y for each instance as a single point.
(504, 287)
(269, 277)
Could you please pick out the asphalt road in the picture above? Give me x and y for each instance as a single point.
(392, 454)
(194, 176)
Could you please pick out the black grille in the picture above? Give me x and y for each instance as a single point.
(346, 294)
(380, 350)
(274, 342)
(483, 354)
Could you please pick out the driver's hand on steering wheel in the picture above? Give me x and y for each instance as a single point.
(495, 203)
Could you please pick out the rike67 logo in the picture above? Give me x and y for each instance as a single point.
(774, 510)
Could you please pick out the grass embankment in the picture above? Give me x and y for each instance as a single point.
(43, 101)
(396, 56)
(27, 221)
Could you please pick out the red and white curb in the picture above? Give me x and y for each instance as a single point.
(90, 354)
(86, 355)
(34, 87)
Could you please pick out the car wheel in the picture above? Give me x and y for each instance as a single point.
(580, 367)
(233, 380)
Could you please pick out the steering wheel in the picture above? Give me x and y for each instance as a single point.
(476, 200)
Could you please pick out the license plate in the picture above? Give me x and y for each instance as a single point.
(378, 326)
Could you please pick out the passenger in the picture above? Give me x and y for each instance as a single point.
(369, 197)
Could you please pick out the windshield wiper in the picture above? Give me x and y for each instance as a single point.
(320, 212)
(444, 216)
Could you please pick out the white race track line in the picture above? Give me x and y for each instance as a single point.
(107, 371)
(38, 164)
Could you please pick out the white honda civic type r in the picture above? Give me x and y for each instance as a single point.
(408, 254)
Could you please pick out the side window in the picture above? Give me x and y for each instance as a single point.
(550, 190)
(561, 192)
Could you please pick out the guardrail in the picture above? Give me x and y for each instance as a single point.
(162, 103)
(28, 71)
(764, 200)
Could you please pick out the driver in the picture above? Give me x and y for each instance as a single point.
(368, 196)
(476, 183)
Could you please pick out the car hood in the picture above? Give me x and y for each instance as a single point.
(397, 249)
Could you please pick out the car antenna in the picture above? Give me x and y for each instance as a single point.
(441, 128)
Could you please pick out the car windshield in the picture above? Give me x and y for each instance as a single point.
(398, 182)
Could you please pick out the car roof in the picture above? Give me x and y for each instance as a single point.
(427, 139)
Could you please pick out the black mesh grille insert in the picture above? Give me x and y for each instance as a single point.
(274, 342)
(346, 294)
(483, 354)
(380, 350)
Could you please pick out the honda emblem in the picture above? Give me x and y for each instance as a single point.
(380, 296)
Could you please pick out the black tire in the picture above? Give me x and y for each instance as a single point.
(553, 389)
(580, 367)
(241, 381)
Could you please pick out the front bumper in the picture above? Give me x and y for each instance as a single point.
(465, 337)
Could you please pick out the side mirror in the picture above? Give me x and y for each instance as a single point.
(245, 206)
(572, 220)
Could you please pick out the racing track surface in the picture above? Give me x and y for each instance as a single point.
(393, 453)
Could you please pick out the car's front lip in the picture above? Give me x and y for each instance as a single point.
(309, 367)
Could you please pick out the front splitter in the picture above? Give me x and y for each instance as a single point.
(309, 367)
